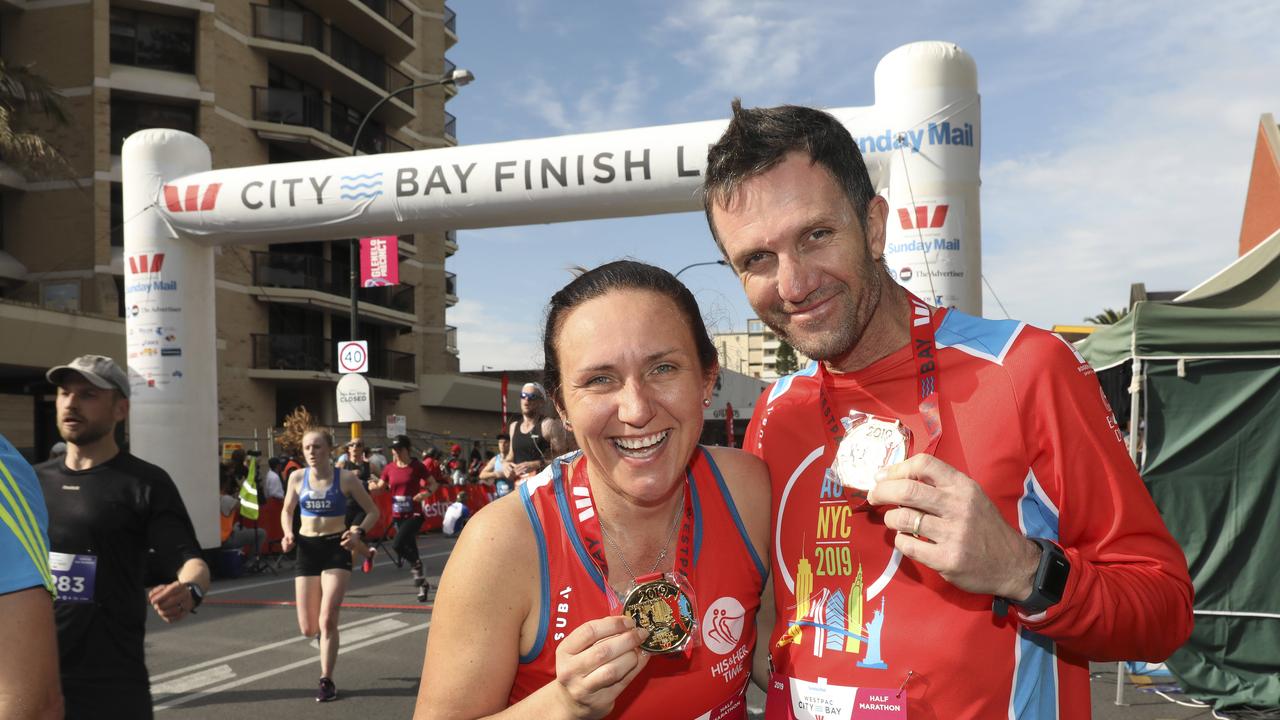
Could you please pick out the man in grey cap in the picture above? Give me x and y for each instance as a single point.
(108, 510)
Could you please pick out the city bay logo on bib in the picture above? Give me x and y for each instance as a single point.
(722, 625)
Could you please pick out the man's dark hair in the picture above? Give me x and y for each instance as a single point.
(610, 277)
(757, 139)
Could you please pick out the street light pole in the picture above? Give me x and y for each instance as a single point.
(697, 264)
(457, 78)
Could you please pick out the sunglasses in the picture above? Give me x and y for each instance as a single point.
(530, 396)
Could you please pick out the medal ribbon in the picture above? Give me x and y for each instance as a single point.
(584, 510)
(928, 388)
(924, 355)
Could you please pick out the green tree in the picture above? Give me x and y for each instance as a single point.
(786, 362)
(23, 95)
(1108, 316)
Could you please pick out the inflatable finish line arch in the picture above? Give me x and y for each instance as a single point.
(921, 141)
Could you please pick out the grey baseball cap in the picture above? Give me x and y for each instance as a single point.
(99, 370)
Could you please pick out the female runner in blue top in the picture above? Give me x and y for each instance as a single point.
(324, 545)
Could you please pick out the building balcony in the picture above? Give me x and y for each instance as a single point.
(301, 279)
(450, 127)
(296, 116)
(280, 356)
(449, 88)
(450, 242)
(301, 44)
(450, 27)
(450, 289)
(451, 339)
(383, 24)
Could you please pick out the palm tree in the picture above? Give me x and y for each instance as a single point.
(1108, 316)
(23, 93)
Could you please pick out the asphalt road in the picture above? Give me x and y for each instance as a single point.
(242, 655)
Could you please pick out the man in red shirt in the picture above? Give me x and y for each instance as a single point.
(929, 470)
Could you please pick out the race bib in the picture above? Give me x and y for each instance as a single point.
(799, 700)
(73, 576)
(401, 504)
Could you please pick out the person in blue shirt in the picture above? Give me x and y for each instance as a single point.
(29, 684)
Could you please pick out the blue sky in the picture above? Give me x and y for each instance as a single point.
(1117, 137)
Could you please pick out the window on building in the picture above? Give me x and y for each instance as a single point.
(360, 59)
(129, 115)
(150, 40)
(117, 215)
(286, 99)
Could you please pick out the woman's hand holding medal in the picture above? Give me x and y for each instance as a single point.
(596, 662)
(946, 522)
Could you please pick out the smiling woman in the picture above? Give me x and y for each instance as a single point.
(642, 544)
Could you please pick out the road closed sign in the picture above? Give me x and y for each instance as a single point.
(355, 401)
(353, 356)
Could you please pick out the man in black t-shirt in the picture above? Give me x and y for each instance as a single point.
(107, 511)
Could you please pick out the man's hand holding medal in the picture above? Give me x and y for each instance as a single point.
(946, 522)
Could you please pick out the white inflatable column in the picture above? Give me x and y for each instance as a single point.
(927, 95)
(169, 321)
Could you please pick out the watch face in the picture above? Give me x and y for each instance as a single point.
(1055, 577)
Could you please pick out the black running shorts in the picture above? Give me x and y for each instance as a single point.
(320, 553)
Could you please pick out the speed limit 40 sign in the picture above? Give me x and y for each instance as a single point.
(353, 356)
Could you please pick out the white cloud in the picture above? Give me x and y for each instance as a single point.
(1149, 189)
(745, 46)
(609, 103)
(486, 337)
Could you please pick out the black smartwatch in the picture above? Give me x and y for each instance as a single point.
(197, 596)
(1049, 583)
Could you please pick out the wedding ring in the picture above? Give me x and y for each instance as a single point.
(915, 531)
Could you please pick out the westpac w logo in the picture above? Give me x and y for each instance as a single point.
(191, 200)
(921, 219)
(146, 264)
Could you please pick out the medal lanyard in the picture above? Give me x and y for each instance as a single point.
(584, 515)
(928, 388)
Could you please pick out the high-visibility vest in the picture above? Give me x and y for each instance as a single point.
(249, 492)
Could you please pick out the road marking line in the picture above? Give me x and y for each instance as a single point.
(285, 668)
(265, 583)
(411, 607)
(204, 678)
(364, 632)
(262, 648)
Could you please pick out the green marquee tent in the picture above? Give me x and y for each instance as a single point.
(1205, 406)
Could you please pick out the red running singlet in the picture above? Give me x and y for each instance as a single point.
(727, 579)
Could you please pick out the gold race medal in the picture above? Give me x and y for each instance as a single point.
(660, 607)
(870, 443)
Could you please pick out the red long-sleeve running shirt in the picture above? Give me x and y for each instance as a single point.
(1022, 415)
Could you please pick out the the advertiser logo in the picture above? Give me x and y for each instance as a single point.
(191, 200)
(921, 219)
(905, 273)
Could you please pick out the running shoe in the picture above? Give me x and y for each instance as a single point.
(418, 579)
(368, 560)
(422, 591)
(327, 692)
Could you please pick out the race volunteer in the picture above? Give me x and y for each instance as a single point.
(409, 483)
(29, 688)
(1017, 543)
(107, 509)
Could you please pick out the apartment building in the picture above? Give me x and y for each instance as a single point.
(264, 81)
(753, 353)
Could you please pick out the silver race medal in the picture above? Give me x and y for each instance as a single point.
(870, 443)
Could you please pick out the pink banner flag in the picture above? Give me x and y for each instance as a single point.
(379, 261)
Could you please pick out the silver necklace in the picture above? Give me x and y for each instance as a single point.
(661, 556)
